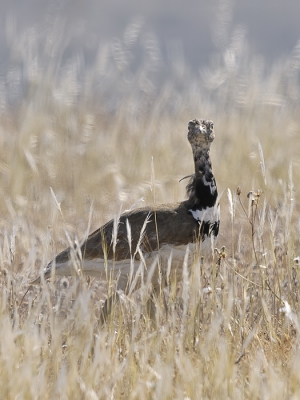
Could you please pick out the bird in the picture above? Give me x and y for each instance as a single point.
(139, 242)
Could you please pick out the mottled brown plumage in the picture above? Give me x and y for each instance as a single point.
(167, 224)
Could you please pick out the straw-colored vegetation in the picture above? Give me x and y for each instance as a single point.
(81, 142)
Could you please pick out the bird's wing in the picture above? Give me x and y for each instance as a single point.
(145, 229)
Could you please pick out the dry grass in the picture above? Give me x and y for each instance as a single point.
(90, 135)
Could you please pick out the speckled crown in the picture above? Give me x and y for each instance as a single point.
(201, 133)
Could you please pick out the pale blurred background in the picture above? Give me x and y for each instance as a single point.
(192, 30)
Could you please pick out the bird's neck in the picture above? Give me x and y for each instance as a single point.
(202, 189)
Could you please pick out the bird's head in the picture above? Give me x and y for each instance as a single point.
(202, 186)
(200, 134)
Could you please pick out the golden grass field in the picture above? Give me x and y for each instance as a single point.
(80, 145)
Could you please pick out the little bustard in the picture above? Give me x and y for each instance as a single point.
(141, 239)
